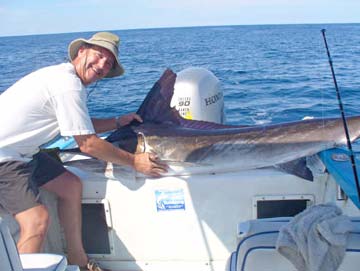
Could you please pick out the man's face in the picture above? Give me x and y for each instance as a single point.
(96, 62)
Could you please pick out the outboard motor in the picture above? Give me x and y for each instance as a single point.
(198, 95)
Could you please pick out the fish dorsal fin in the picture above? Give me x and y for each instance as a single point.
(156, 106)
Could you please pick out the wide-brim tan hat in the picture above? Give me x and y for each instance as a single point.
(106, 40)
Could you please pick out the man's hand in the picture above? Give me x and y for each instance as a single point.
(149, 164)
(126, 119)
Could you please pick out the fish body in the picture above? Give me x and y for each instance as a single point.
(195, 147)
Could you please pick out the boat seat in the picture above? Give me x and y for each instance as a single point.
(11, 260)
(256, 249)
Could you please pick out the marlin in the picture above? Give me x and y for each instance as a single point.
(200, 147)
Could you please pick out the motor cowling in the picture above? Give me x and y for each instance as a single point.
(198, 95)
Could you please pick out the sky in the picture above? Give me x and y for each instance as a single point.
(25, 17)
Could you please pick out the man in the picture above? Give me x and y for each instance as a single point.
(35, 110)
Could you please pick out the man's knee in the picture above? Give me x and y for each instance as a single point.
(67, 186)
(75, 186)
(34, 221)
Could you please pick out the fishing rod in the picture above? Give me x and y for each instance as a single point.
(352, 157)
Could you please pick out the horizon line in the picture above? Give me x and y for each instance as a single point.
(171, 27)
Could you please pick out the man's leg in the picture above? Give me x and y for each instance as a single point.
(68, 188)
(19, 197)
(33, 225)
(51, 175)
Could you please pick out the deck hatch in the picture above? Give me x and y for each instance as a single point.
(96, 229)
(280, 206)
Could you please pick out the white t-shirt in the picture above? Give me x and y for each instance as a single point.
(38, 107)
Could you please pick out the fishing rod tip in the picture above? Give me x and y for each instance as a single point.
(323, 30)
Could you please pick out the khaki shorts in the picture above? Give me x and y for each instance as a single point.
(20, 181)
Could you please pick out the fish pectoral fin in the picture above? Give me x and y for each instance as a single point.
(298, 168)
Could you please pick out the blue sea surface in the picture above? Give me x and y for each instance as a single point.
(268, 73)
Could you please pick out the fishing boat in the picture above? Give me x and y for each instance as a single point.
(204, 221)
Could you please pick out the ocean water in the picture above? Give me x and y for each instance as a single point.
(268, 73)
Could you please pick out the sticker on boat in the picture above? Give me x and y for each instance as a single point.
(169, 200)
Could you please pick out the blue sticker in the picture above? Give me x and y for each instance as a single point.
(168, 200)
